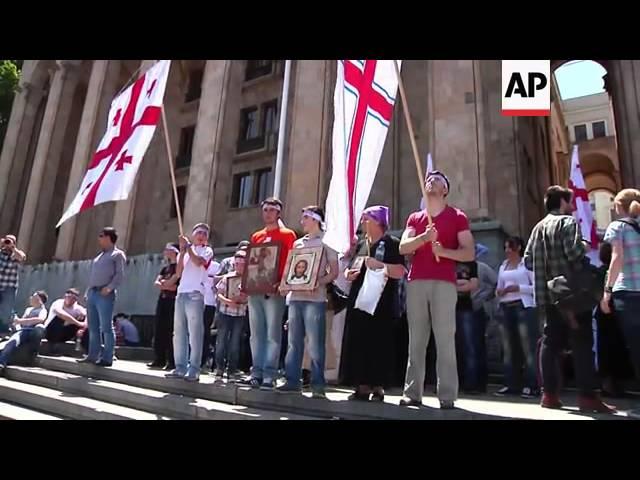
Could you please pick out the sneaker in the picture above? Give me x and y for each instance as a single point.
(232, 377)
(155, 365)
(319, 395)
(267, 386)
(175, 374)
(103, 363)
(447, 405)
(550, 400)
(528, 393)
(86, 360)
(409, 402)
(3, 371)
(218, 374)
(192, 377)
(251, 382)
(288, 388)
(505, 391)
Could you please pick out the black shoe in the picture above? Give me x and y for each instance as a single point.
(408, 402)
(3, 370)
(169, 366)
(102, 363)
(85, 360)
(358, 397)
(447, 405)
(155, 365)
(377, 397)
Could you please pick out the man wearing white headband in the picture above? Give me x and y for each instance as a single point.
(307, 309)
(431, 289)
(193, 262)
(266, 311)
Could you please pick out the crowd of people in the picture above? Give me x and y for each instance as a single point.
(550, 300)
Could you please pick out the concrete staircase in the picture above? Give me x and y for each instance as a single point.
(61, 388)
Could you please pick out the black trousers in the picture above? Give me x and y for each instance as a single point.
(163, 332)
(209, 315)
(559, 331)
(58, 332)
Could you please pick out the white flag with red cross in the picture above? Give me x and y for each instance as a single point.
(132, 122)
(582, 206)
(363, 103)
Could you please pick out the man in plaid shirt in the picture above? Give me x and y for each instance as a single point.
(554, 245)
(10, 259)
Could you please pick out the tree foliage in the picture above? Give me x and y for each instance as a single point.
(9, 76)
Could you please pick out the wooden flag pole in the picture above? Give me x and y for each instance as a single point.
(414, 147)
(171, 170)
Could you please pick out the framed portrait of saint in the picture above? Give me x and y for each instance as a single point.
(301, 272)
(234, 285)
(261, 271)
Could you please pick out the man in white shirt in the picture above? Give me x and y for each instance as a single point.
(210, 302)
(66, 317)
(193, 262)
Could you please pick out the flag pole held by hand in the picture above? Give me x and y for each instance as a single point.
(171, 170)
(414, 147)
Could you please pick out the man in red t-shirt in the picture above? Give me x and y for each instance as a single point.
(266, 311)
(431, 289)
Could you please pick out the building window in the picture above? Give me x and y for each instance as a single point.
(251, 188)
(182, 196)
(242, 194)
(580, 132)
(194, 89)
(263, 185)
(258, 68)
(251, 137)
(187, 135)
(599, 129)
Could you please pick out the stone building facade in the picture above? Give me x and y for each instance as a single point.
(223, 122)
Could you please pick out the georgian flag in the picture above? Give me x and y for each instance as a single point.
(131, 124)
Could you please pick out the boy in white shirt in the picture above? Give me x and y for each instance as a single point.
(188, 328)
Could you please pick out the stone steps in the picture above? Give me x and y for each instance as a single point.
(135, 373)
(9, 411)
(131, 396)
(68, 349)
(68, 405)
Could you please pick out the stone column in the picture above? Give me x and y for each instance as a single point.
(83, 151)
(308, 121)
(58, 108)
(16, 141)
(123, 215)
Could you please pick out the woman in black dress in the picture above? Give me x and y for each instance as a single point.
(367, 361)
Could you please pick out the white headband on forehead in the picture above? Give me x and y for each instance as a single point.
(310, 214)
(439, 177)
(201, 230)
(272, 205)
(172, 248)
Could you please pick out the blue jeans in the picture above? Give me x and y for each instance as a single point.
(306, 318)
(7, 306)
(188, 332)
(99, 318)
(265, 323)
(520, 333)
(470, 334)
(228, 341)
(627, 306)
(28, 338)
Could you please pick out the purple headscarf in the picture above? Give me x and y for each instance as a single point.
(379, 214)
